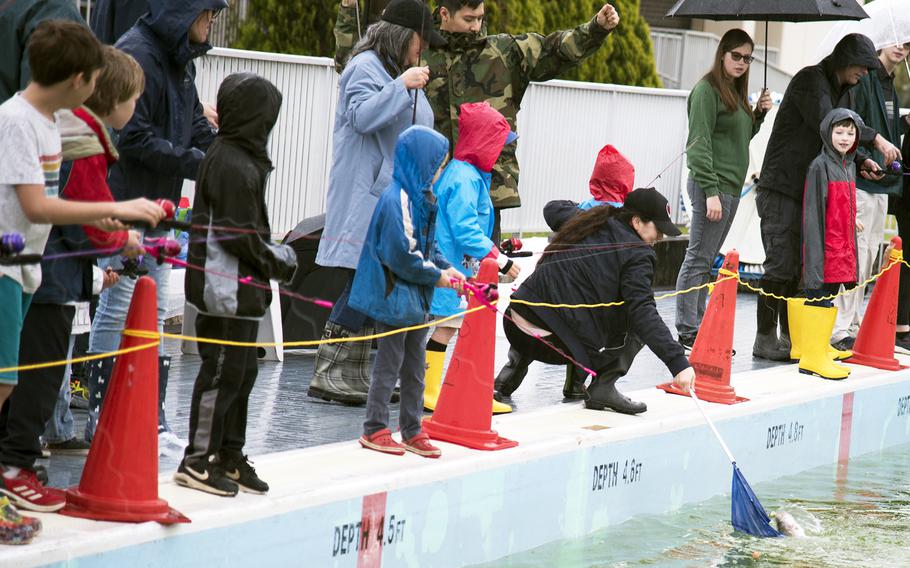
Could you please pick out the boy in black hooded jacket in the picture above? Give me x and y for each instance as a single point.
(231, 193)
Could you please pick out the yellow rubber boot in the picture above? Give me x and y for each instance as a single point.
(433, 379)
(794, 318)
(501, 408)
(794, 307)
(816, 338)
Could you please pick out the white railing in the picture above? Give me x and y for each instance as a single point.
(683, 57)
(301, 143)
(563, 124)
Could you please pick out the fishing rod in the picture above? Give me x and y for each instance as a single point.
(486, 294)
(676, 159)
(423, 22)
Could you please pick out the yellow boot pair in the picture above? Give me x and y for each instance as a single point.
(433, 384)
(810, 336)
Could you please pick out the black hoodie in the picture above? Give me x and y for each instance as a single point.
(231, 193)
(811, 95)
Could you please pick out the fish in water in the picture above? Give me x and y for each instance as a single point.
(787, 525)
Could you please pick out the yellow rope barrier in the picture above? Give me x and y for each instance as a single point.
(292, 344)
(82, 359)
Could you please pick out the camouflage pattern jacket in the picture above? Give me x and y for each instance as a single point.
(494, 68)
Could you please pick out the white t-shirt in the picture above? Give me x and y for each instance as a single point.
(30, 154)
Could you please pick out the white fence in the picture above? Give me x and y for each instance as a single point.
(562, 125)
(683, 57)
(301, 143)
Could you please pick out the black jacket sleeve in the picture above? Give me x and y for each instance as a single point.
(254, 249)
(635, 287)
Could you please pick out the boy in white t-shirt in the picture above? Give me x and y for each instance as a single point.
(64, 58)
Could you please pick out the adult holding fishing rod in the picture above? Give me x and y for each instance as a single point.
(602, 255)
(877, 102)
(375, 105)
(475, 67)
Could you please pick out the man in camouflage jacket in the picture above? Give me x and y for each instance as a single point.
(476, 67)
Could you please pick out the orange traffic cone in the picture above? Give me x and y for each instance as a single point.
(712, 352)
(120, 478)
(462, 414)
(874, 346)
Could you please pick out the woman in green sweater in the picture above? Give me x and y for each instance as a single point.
(721, 125)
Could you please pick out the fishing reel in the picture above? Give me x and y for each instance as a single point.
(11, 247)
(511, 247)
(159, 249)
(485, 292)
(895, 168)
(11, 244)
(132, 267)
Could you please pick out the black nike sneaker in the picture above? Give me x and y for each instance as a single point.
(205, 474)
(239, 469)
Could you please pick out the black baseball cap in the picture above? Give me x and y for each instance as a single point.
(650, 204)
(414, 15)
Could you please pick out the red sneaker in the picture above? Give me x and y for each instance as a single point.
(382, 441)
(27, 493)
(420, 445)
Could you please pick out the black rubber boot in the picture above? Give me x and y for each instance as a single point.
(164, 369)
(99, 375)
(602, 393)
(767, 344)
(574, 387)
(511, 375)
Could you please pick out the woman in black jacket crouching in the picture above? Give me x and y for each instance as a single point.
(598, 256)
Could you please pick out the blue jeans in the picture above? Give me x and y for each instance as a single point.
(344, 315)
(705, 239)
(61, 427)
(114, 303)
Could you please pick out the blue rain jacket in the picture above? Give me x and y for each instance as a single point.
(400, 263)
(464, 226)
(373, 110)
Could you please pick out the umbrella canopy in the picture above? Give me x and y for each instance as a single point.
(888, 24)
(769, 10)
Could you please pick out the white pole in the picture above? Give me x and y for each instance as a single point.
(711, 424)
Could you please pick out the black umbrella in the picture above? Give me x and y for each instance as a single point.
(769, 11)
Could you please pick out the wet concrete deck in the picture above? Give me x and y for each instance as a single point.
(283, 417)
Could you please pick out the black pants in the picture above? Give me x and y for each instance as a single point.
(221, 394)
(613, 363)
(813, 297)
(901, 211)
(781, 231)
(45, 337)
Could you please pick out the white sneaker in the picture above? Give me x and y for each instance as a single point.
(169, 444)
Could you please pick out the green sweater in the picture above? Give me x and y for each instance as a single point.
(719, 157)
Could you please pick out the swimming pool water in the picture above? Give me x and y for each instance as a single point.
(853, 516)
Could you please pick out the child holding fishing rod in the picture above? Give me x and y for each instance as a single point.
(399, 266)
(231, 192)
(65, 60)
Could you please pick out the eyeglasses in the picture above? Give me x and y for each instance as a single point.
(737, 56)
